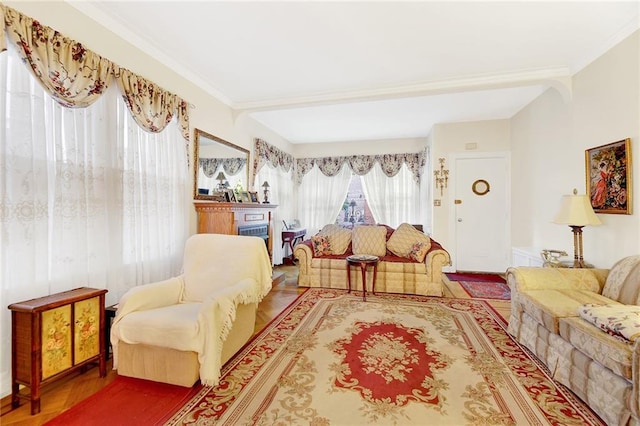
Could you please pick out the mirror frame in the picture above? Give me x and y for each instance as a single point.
(198, 134)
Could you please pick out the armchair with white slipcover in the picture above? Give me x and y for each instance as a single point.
(184, 328)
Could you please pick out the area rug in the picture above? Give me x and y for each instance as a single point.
(486, 290)
(475, 276)
(128, 401)
(332, 359)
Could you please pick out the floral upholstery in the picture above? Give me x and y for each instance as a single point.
(339, 238)
(404, 241)
(395, 274)
(618, 320)
(321, 245)
(574, 321)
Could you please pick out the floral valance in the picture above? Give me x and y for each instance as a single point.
(269, 154)
(231, 166)
(362, 164)
(76, 77)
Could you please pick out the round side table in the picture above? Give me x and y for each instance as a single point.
(363, 260)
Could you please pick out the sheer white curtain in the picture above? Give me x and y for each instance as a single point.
(87, 198)
(426, 194)
(320, 197)
(211, 183)
(280, 193)
(392, 200)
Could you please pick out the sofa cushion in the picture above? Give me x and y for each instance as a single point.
(402, 242)
(174, 326)
(618, 320)
(623, 281)
(612, 352)
(321, 245)
(339, 238)
(548, 306)
(418, 251)
(369, 240)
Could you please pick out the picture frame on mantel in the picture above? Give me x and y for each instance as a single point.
(608, 175)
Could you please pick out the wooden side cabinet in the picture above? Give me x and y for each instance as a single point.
(55, 335)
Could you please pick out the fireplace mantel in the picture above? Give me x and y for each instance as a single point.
(227, 218)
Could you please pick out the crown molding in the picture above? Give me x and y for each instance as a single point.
(559, 78)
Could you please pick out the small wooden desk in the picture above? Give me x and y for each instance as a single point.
(291, 237)
(363, 260)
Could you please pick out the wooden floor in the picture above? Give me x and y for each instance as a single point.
(63, 394)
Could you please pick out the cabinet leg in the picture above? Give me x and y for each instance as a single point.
(15, 400)
(35, 406)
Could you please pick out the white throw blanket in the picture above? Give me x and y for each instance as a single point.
(220, 272)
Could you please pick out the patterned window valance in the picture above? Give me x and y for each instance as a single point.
(231, 166)
(362, 164)
(269, 154)
(76, 77)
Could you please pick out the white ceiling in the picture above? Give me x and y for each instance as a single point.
(342, 71)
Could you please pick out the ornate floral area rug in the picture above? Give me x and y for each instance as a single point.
(486, 290)
(332, 359)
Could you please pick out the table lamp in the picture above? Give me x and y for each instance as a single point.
(266, 187)
(221, 178)
(576, 211)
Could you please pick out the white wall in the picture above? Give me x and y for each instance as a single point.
(549, 139)
(449, 138)
(370, 147)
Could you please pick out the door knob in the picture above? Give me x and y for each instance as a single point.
(459, 219)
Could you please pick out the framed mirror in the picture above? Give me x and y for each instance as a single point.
(219, 165)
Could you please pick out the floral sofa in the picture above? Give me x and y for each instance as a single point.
(584, 324)
(410, 261)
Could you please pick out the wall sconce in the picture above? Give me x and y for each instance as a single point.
(576, 211)
(441, 176)
(266, 187)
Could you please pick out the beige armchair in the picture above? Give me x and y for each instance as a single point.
(184, 328)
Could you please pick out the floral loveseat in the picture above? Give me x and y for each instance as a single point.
(410, 261)
(584, 324)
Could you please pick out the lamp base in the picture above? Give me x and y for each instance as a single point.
(578, 261)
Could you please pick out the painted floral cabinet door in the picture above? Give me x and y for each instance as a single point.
(56, 341)
(53, 335)
(87, 327)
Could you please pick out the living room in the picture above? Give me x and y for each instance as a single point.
(594, 105)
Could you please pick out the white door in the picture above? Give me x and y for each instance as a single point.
(481, 211)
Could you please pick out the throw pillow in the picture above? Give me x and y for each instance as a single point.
(403, 239)
(321, 246)
(418, 252)
(339, 237)
(369, 240)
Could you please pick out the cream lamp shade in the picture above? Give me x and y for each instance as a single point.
(576, 211)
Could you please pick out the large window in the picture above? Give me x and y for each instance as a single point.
(355, 209)
(88, 198)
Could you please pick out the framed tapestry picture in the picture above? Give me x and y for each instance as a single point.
(608, 170)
